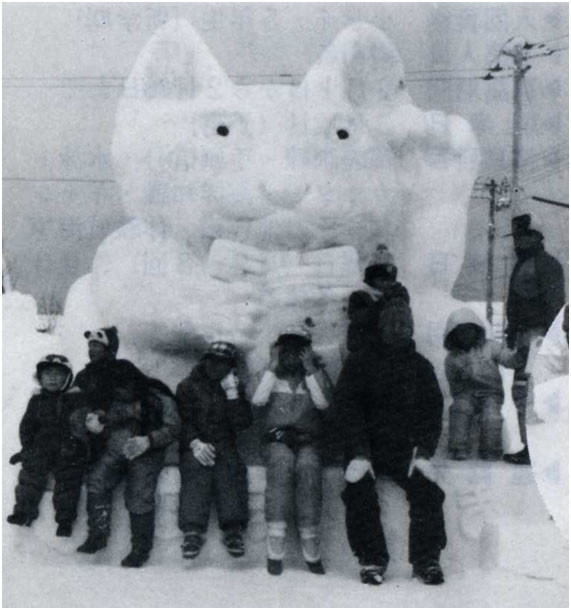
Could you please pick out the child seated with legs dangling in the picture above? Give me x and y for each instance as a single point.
(49, 445)
(294, 390)
(213, 410)
(472, 371)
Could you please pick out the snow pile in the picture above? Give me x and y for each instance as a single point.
(502, 550)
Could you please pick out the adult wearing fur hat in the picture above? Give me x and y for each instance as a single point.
(380, 286)
(536, 294)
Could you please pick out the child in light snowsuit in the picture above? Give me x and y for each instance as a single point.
(137, 426)
(213, 410)
(49, 445)
(294, 390)
(380, 286)
(472, 371)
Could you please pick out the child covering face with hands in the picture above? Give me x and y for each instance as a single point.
(293, 391)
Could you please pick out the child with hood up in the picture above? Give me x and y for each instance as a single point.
(472, 371)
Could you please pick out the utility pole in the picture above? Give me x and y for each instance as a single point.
(492, 187)
(516, 52)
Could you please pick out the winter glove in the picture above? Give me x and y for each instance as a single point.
(203, 452)
(16, 458)
(136, 446)
(357, 469)
(93, 423)
(422, 464)
(230, 385)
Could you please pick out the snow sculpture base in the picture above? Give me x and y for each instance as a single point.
(485, 504)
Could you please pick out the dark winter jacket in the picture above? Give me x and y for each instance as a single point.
(95, 382)
(47, 423)
(363, 310)
(388, 401)
(206, 413)
(536, 293)
(476, 370)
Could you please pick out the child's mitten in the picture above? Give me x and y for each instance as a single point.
(357, 469)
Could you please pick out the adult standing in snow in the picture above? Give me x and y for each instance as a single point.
(536, 294)
(389, 407)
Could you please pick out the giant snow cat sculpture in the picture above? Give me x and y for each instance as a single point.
(258, 206)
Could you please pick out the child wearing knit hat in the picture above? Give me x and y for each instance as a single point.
(380, 287)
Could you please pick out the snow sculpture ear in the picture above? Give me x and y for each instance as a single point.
(175, 64)
(361, 66)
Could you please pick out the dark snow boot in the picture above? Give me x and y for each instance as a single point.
(20, 518)
(275, 567)
(64, 529)
(142, 534)
(316, 567)
(372, 575)
(95, 542)
(193, 542)
(430, 572)
(234, 543)
(521, 458)
(99, 523)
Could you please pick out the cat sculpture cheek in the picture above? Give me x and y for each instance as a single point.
(258, 206)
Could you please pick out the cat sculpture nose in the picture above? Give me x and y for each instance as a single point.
(284, 192)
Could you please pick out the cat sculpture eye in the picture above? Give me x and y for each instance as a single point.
(342, 134)
(222, 130)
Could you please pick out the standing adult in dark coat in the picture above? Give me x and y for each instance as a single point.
(536, 294)
(389, 406)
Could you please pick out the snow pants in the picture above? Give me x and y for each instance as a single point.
(427, 535)
(226, 483)
(141, 475)
(293, 484)
(462, 411)
(522, 389)
(67, 466)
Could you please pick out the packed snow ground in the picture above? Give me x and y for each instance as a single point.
(40, 570)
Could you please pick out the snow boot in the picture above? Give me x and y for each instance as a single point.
(99, 523)
(429, 572)
(275, 566)
(142, 534)
(64, 529)
(521, 458)
(20, 518)
(193, 542)
(310, 549)
(276, 547)
(372, 575)
(234, 542)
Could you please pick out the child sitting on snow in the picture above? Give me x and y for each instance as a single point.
(472, 371)
(50, 446)
(136, 428)
(294, 390)
(380, 287)
(213, 409)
